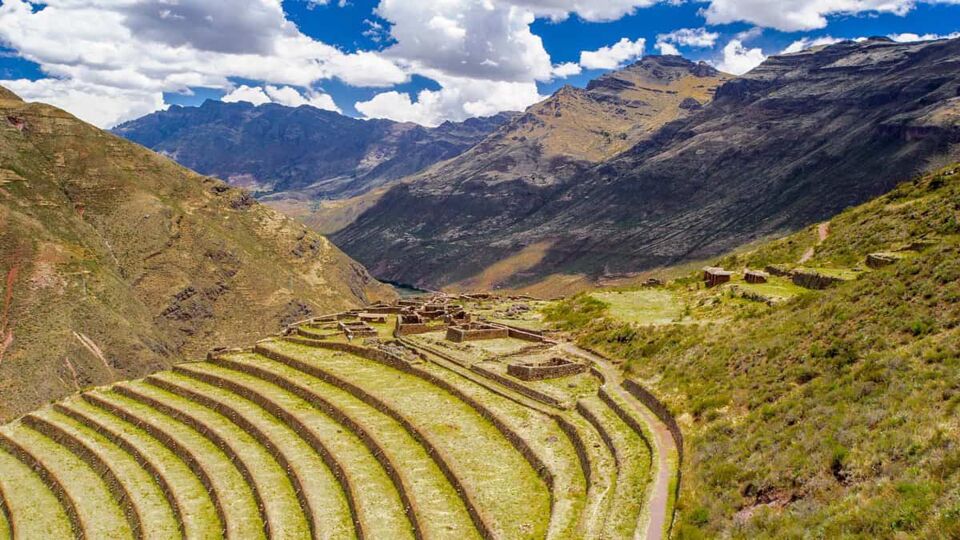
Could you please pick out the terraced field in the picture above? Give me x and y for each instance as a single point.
(301, 437)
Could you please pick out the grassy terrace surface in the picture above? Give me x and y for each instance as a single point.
(197, 510)
(260, 470)
(278, 487)
(654, 306)
(546, 439)
(596, 462)
(158, 519)
(100, 514)
(440, 509)
(633, 458)
(33, 507)
(377, 501)
(243, 517)
(503, 484)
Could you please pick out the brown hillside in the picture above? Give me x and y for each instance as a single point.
(116, 262)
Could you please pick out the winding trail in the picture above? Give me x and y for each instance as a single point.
(656, 520)
(823, 232)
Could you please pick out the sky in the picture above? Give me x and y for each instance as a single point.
(423, 61)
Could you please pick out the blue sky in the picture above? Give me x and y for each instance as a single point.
(401, 59)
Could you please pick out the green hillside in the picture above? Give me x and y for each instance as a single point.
(832, 413)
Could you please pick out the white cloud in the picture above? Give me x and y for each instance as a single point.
(282, 95)
(910, 37)
(690, 37)
(567, 69)
(460, 98)
(803, 44)
(613, 56)
(667, 49)
(466, 38)
(94, 103)
(738, 59)
(589, 10)
(796, 15)
(102, 49)
(246, 94)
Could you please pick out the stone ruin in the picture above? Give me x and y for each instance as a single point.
(714, 276)
(756, 276)
(355, 330)
(475, 332)
(373, 318)
(551, 369)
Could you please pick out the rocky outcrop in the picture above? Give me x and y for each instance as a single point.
(791, 143)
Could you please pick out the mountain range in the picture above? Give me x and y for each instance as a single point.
(271, 149)
(116, 262)
(794, 141)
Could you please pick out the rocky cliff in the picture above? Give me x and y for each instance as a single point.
(115, 262)
(795, 141)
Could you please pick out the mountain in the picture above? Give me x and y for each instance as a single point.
(795, 141)
(833, 414)
(310, 152)
(116, 262)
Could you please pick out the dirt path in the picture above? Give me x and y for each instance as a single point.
(654, 521)
(823, 232)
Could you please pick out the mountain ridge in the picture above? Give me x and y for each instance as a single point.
(116, 262)
(272, 148)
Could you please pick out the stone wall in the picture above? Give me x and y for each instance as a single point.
(657, 408)
(552, 369)
(122, 443)
(181, 451)
(476, 332)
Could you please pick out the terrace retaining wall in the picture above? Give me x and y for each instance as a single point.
(398, 363)
(375, 449)
(93, 460)
(211, 436)
(440, 458)
(7, 515)
(181, 451)
(50, 480)
(246, 425)
(120, 442)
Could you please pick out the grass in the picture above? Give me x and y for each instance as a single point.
(35, 509)
(278, 489)
(100, 514)
(274, 487)
(644, 306)
(156, 516)
(634, 474)
(377, 500)
(831, 415)
(235, 495)
(442, 511)
(507, 487)
(774, 290)
(199, 515)
(545, 438)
